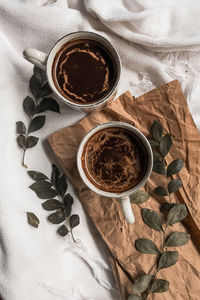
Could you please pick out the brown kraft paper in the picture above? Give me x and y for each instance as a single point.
(167, 105)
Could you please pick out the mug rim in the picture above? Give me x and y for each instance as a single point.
(50, 77)
(142, 138)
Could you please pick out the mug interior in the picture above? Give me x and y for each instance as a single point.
(142, 139)
(76, 36)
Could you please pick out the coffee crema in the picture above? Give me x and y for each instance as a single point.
(83, 71)
(114, 160)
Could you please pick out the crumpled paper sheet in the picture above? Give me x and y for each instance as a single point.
(168, 105)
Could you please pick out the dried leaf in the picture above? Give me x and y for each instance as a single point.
(39, 74)
(174, 185)
(156, 130)
(159, 167)
(74, 221)
(177, 214)
(21, 141)
(167, 259)
(62, 230)
(134, 297)
(139, 197)
(152, 219)
(174, 167)
(153, 143)
(51, 204)
(36, 123)
(177, 239)
(20, 127)
(31, 141)
(57, 217)
(48, 104)
(55, 175)
(43, 189)
(34, 86)
(62, 185)
(45, 91)
(47, 194)
(29, 106)
(68, 201)
(166, 207)
(37, 176)
(165, 144)
(156, 156)
(32, 219)
(160, 286)
(161, 191)
(142, 283)
(146, 246)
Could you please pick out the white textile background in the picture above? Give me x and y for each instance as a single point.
(158, 41)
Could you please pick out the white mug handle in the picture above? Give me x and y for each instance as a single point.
(36, 57)
(127, 209)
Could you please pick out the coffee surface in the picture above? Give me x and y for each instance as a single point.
(83, 71)
(114, 160)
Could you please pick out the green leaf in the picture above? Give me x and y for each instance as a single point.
(156, 130)
(166, 207)
(153, 143)
(32, 219)
(159, 167)
(74, 221)
(62, 185)
(142, 283)
(20, 127)
(174, 185)
(160, 286)
(134, 297)
(31, 141)
(62, 230)
(146, 246)
(51, 204)
(55, 175)
(48, 104)
(177, 239)
(165, 144)
(36, 123)
(57, 217)
(174, 167)
(167, 259)
(139, 197)
(29, 106)
(39, 74)
(37, 176)
(152, 219)
(34, 86)
(177, 214)
(21, 141)
(161, 191)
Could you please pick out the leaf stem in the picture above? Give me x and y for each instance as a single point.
(72, 235)
(23, 158)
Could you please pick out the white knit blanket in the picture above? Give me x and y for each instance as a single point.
(158, 41)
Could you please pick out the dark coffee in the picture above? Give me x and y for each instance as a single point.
(84, 71)
(114, 160)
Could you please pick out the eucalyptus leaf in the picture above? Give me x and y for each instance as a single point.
(174, 185)
(31, 141)
(139, 197)
(57, 217)
(166, 207)
(32, 219)
(161, 191)
(21, 141)
(177, 214)
(160, 286)
(37, 176)
(156, 130)
(167, 259)
(55, 175)
(74, 221)
(142, 283)
(62, 185)
(174, 167)
(20, 127)
(159, 167)
(39, 74)
(146, 246)
(152, 219)
(62, 230)
(51, 204)
(36, 123)
(165, 144)
(29, 106)
(153, 143)
(48, 104)
(34, 86)
(177, 239)
(134, 297)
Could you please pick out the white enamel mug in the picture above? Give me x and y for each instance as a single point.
(124, 196)
(45, 62)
